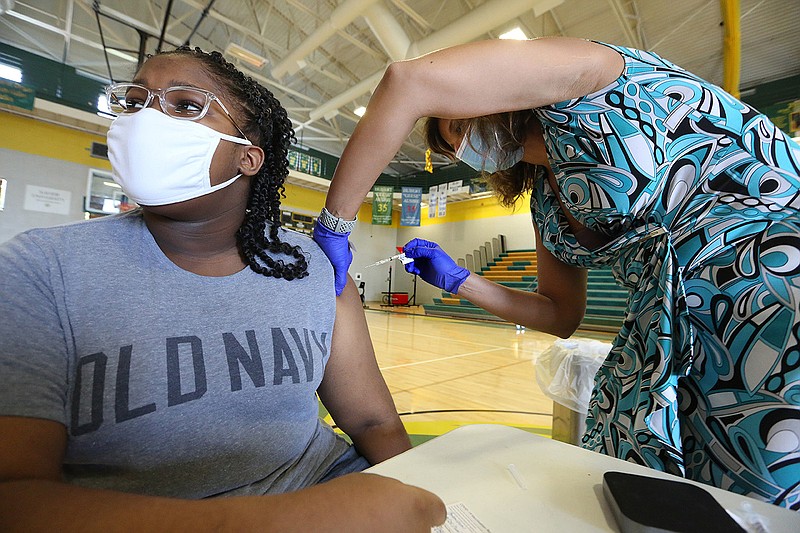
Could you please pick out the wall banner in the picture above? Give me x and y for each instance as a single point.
(412, 198)
(306, 163)
(382, 205)
(433, 195)
(17, 95)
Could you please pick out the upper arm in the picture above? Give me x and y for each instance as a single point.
(469, 80)
(454, 82)
(353, 389)
(31, 448)
(563, 284)
(33, 366)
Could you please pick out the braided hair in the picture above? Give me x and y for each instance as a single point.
(268, 126)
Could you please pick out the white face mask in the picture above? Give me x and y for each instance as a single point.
(159, 160)
(477, 155)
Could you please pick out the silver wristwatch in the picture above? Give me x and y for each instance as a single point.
(336, 224)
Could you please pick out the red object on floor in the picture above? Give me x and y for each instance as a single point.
(399, 298)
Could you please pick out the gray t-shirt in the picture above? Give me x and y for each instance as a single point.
(169, 383)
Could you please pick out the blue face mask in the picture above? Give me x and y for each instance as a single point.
(474, 153)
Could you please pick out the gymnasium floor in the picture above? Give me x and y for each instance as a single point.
(444, 373)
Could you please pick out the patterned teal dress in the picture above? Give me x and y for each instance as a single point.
(700, 197)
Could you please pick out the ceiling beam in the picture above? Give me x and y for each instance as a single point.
(37, 45)
(389, 32)
(340, 17)
(359, 89)
(479, 21)
(131, 22)
(474, 24)
(341, 33)
(73, 37)
(413, 15)
(626, 20)
(110, 31)
(272, 83)
(256, 36)
(68, 28)
(557, 22)
(695, 13)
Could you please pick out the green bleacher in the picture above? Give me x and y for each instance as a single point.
(605, 303)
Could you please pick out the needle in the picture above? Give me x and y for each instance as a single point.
(400, 256)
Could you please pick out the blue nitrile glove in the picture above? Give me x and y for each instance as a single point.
(337, 247)
(432, 264)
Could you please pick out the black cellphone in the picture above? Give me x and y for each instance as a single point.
(648, 504)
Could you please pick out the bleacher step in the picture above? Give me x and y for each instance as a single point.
(517, 269)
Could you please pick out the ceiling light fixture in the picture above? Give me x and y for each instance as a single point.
(516, 34)
(360, 110)
(245, 55)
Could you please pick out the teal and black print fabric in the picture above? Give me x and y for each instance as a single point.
(699, 196)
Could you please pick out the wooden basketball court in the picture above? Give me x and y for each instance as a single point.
(444, 373)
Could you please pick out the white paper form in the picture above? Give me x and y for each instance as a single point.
(460, 520)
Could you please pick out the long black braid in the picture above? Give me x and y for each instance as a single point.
(268, 126)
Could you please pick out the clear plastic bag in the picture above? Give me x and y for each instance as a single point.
(565, 371)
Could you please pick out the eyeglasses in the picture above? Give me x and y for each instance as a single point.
(181, 102)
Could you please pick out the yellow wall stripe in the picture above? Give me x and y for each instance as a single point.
(474, 210)
(32, 136)
(36, 137)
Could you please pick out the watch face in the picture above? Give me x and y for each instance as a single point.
(338, 225)
(344, 226)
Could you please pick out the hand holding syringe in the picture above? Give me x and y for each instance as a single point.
(401, 256)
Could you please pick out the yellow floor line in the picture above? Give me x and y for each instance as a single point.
(441, 427)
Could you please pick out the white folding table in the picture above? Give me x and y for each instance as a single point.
(559, 487)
